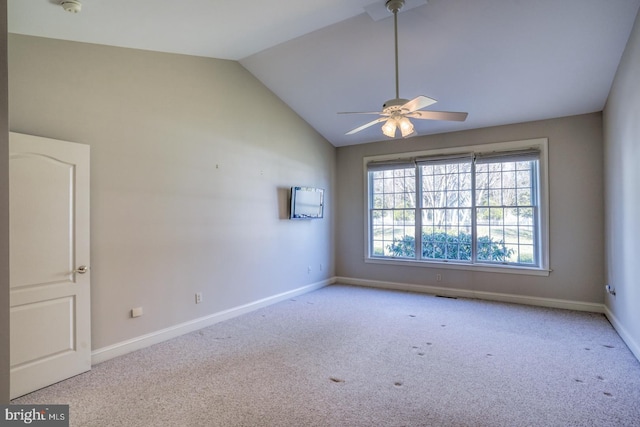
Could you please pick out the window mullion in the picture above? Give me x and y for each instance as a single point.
(535, 203)
(370, 212)
(474, 228)
(418, 213)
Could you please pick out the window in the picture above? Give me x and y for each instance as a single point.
(476, 207)
(393, 209)
(446, 208)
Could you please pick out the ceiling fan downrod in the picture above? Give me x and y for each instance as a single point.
(394, 6)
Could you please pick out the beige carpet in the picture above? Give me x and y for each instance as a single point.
(351, 356)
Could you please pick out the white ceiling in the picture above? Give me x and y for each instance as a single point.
(502, 61)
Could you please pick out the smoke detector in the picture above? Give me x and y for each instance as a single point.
(72, 6)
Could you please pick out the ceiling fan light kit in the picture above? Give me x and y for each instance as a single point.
(396, 112)
(71, 6)
(406, 127)
(389, 128)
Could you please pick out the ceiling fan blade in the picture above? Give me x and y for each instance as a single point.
(418, 103)
(371, 123)
(438, 115)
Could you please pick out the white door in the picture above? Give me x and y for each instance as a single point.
(49, 261)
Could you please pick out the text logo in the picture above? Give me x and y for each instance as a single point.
(34, 415)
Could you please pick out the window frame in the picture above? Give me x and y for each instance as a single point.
(480, 151)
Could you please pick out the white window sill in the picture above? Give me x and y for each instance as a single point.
(508, 269)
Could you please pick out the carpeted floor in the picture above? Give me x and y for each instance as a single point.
(352, 356)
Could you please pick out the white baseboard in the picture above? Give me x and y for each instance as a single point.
(626, 337)
(463, 293)
(137, 343)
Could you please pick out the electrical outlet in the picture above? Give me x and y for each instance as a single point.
(320, 269)
(136, 312)
(438, 277)
(309, 270)
(198, 297)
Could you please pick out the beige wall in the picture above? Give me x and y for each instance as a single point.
(191, 161)
(4, 210)
(622, 189)
(576, 212)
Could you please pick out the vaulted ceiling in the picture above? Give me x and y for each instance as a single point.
(502, 61)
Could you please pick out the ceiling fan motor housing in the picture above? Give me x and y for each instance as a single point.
(393, 104)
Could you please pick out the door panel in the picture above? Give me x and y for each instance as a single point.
(41, 340)
(49, 241)
(42, 235)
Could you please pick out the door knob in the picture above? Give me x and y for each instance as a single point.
(81, 270)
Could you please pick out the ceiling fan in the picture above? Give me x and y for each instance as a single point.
(397, 112)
